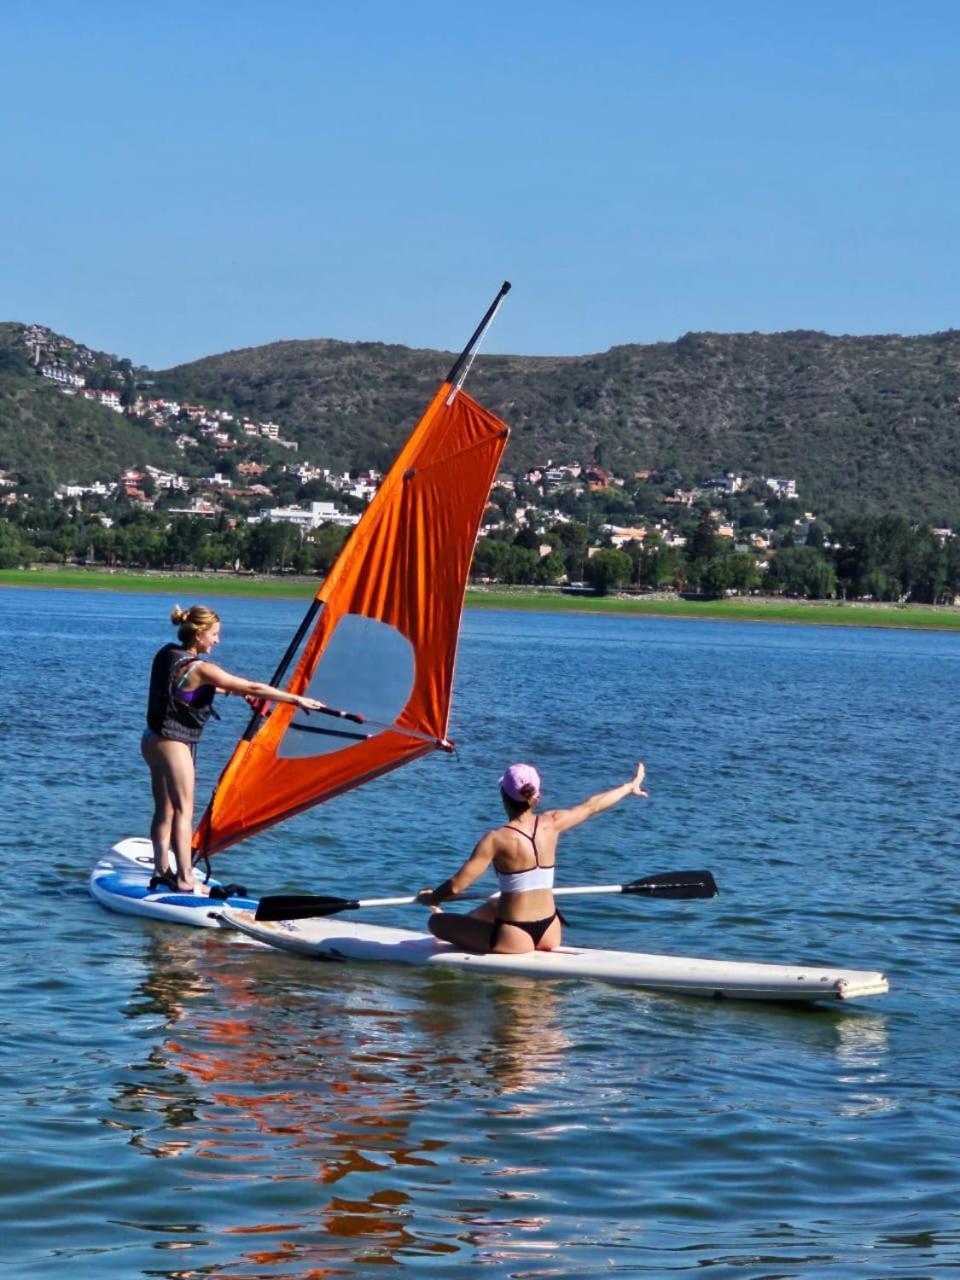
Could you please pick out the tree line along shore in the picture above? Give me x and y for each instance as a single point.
(870, 557)
(733, 609)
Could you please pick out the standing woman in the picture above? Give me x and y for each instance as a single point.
(179, 704)
(524, 856)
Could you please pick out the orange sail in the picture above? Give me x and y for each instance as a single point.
(379, 640)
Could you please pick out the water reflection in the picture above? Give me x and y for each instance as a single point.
(275, 1085)
(863, 1040)
(326, 1115)
(863, 1058)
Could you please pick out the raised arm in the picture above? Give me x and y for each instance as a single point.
(564, 819)
(472, 869)
(210, 673)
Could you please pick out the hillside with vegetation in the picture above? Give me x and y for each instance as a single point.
(861, 423)
(47, 438)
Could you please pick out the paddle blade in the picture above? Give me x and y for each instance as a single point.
(300, 906)
(675, 884)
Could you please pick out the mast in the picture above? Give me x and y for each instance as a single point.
(461, 366)
(455, 379)
(380, 635)
(312, 611)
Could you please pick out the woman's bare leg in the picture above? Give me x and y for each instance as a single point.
(172, 776)
(464, 931)
(472, 932)
(161, 823)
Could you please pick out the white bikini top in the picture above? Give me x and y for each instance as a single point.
(535, 877)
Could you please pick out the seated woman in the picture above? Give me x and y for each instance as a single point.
(524, 856)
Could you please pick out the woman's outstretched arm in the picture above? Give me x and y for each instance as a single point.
(210, 673)
(564, 819)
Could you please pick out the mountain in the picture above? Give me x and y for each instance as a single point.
(859, 422)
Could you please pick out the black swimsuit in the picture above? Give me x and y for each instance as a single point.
(534, 928)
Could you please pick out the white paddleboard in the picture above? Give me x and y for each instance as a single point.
(331, 939)
(121, 882)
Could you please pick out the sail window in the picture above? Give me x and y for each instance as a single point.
(368, 668)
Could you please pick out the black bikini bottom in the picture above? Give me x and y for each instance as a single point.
(535, 928)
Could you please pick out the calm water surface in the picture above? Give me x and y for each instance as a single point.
(177, 1103)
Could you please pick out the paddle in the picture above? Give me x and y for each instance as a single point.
(672, 884)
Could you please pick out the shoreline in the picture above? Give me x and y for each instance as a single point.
(663, 605)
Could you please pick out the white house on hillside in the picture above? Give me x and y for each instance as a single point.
(62, 376)
(318, 513)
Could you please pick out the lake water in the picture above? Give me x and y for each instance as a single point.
(177, 1103)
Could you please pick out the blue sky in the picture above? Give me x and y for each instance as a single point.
(181, 179)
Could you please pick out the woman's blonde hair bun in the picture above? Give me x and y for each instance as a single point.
(192, 621)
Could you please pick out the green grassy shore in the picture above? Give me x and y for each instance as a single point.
(191, 586)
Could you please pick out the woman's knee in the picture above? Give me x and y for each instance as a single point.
(450, 926)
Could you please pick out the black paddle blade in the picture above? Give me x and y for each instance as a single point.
(675, 884)
(300, 906)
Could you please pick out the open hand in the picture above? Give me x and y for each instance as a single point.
(637, 785)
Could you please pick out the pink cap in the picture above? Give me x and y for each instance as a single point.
(516, 778)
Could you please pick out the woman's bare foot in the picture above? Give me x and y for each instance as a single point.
(190, 884)
(198, 889)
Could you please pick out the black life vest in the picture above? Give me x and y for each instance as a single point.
(169, 713)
